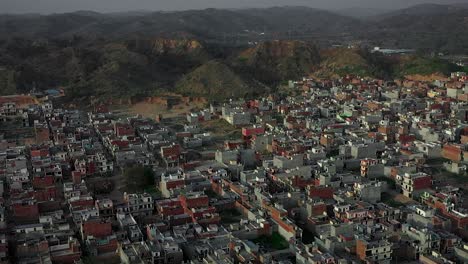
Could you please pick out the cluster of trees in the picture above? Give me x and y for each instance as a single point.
(138, 179)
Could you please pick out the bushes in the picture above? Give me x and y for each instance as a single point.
(391, 182)
(275, 241)
(138, 179)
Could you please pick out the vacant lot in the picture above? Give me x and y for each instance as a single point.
(138, 179)
(221, 129)
(153, 110)
(230, 216)
(442, 177)
(395, 199)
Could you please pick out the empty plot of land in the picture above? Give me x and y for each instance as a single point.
(154, 109)
(220, 128)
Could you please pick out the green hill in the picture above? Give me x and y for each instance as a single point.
(138, 67)
(342, 61)
(410, 65)
(121, 73)
(7, 82)
(211, 53)
(276, 61)
(103, 68)
(428, 27)
(214, 80)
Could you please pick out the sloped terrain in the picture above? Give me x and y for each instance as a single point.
(215, 52)
(275, 61)
(214, 80)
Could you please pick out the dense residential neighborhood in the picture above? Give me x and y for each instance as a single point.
(339, 170)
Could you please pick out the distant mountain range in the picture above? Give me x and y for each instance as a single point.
(427, 9)
(217, 53)
(360, 12)
(433, 27)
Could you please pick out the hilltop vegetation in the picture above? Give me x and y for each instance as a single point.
(339, 62)
(7, 82)
(215, 53)
(342, 61)
(429, 27)
(411, 65)
(213, 79)
(275, 61)
(135, 68)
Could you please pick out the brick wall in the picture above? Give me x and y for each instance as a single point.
(29, 211)
(46, 194)
(319, 209)
(422, 183)
(452, 152)
(96, 228)
(361, 249)
(43, 182)
(175, 184)
(66, 259)
(170, 151)
(109, 247)
(194, 202)
(250, 131)
(321, 192)
(82, 203)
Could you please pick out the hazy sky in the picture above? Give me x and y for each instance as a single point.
(58, 6)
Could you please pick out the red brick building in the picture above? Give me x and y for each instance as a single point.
(43, 182)
(76, 177)
(251, 131)
(66, 255)
(196, 201)
(46, 194)
(96, 228)
(301, 183)
(453, 152)
(169, 207)
(25, 209)
(321, 192)
(317, 208)
(82, 202)
(170, 151)
(124, 130)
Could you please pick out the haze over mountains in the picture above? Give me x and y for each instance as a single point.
(211, 52)
(61, 6)
(434, 27)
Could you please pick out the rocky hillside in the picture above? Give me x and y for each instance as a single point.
(439, 28)
(7, 82)
(275, 61)
(110, 68)
(215, 80)
(342, 61)
(208, 23)
(429, 27)
(139, 67)
(137, 54)
(415, 65)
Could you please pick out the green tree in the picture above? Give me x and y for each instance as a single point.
(138, 178)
